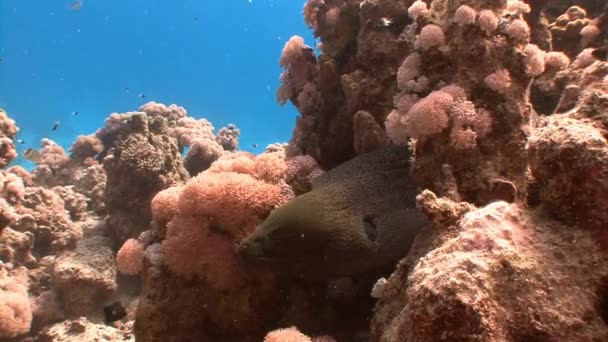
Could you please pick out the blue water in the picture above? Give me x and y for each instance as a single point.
(219, 59)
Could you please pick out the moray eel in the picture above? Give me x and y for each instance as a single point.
(360, 216)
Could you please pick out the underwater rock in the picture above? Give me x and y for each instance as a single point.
(16, 247)
(172, 113)
(369, 135)
(46, 308)
(566, 30)
(8, 152)
(8, 127)
(569, 161)
(114, 312)
(228, 137)
(501, 273)
(15, 310)
(8, 130)
(75, 203)
(195, 134)
(91, 182)
(43, 214)
(85, 149)
(85, 277)
(56, 168)
(82, 330)
(41, 275)
(143, 160)
(201, 155)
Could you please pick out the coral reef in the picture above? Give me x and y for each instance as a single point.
(500, 273)
(463, 84)
(204, 147)
(131, 233)
(60, 224)
(143, 160)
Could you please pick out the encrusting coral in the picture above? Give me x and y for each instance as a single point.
(500, 273)
(143, 160)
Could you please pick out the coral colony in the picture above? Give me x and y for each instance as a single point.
(504, 107)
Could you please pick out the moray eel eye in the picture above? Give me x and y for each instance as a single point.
(371, 230)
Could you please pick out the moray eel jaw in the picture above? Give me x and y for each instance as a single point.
(254, 250)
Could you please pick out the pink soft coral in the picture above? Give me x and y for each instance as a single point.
(311, 12)
(286, 335)
(292, 334)
(270, 167)
(298, 60)
(429, 115)
(193, 247)
(216, 209)
(164, 205)
(15, 310)
(469, 124)
(130, 257)
(235, 201)
(430, 36)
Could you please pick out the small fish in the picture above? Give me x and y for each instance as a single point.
(55, 126)
(385, 22)
(255, 145)
(127, 90)
(76, 5)
(32, 155)
(114, 312)
(75, 113)
(142, 96)
(601, 53)
(21, 141)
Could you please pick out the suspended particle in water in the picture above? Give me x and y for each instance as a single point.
(76, 5)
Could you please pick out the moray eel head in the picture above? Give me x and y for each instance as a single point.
(304, 239)
(292, 236)
(358, 217)
(255, 249)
